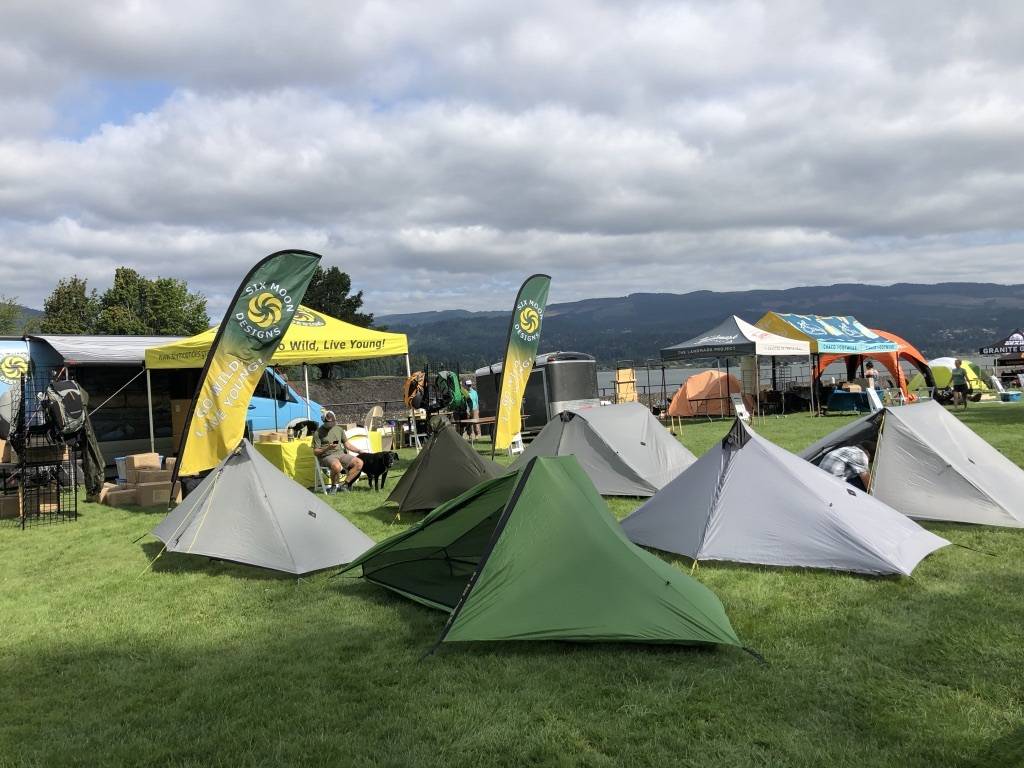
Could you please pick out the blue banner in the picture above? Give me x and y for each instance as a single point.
(840, 334)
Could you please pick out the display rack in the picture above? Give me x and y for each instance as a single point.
(40, 483)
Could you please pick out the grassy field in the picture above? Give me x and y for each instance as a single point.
(202, 663)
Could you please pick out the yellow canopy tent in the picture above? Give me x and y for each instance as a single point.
(312, 337)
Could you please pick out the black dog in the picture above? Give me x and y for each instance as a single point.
(376, 466)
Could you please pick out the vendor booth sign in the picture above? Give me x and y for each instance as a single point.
(13, 363)
(831, 334)
(1011, 345)
(523, 338)
(252, 329)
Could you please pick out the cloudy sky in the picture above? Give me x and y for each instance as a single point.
(440, 152)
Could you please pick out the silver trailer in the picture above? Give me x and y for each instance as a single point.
(558, 381)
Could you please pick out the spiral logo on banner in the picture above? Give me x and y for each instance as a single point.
(264, 310)
(528, 319)
(13, 367)
(308, 318)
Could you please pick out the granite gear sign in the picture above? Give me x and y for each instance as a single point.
(536, 555)
(523, 337)
(256, 320)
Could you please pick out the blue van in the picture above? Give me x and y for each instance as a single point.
(110, 369)
(275, 405)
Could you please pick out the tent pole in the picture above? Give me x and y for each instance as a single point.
(757, 384)
(149, 401)
(305, 379)
(412, 413)
(810, 371)
(728, 388)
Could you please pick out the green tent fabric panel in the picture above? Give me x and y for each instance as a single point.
(432, 561)
(561, 569)
(447, 467)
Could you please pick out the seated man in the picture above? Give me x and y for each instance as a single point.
(329, 446)
(852, 463)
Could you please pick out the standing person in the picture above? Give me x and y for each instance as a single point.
(474, 407)
(329, 446)
(871, 375)
(852, 463)
(961, 385)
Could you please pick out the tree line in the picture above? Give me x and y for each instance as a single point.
(135, 305)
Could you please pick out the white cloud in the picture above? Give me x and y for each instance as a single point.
(440, 155)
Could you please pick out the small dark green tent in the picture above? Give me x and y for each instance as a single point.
(536, 555)
(446, 467)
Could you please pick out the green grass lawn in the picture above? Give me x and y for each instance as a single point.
(202, 663)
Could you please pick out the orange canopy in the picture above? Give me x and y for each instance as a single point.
(707, 394)
(890, 360)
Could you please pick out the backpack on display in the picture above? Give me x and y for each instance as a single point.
(62, 406)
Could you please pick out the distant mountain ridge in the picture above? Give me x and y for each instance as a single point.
(939, 319)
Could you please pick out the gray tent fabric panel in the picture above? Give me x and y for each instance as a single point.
(770, 507)
(623, 449)
(815, 520)
(864, 428)
(932, 466)
(548, 442)
(640, 441)
(610, 473)
(674, 520)
(248, 511)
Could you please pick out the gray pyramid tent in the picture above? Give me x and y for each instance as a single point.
(536, 555)
(445, 468)
(623, 448)
(747, 500)
(247, 511)
(930, 465)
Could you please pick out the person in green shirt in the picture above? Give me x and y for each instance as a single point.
(330, 444)
(961, 384)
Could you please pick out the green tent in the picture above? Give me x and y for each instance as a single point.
(446, 467)
(536, 555)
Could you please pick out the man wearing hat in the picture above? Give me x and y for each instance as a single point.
(329, 446)
(474, 406)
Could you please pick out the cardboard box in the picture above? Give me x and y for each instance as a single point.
(169, 463)
(101, 497)
(179, 412)
(153, 494)
(10, 505)
(152, 476)
(176, 493)
(142, 461)
(8, 455)
(122, 498)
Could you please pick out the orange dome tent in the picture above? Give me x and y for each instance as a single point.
(707, 394)
(890, 360)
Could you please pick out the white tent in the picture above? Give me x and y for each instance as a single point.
(623, 449)
(247, 511)
(749, 501)
(930, 465)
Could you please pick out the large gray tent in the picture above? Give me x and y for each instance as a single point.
(247, 511)
(930, 465)
(447, 467)
(623, 449)
(747, 500)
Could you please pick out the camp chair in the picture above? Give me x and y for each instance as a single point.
(625, 385)
(374, 418)
(516, 446)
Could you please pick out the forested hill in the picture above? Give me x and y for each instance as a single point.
(939, 319)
